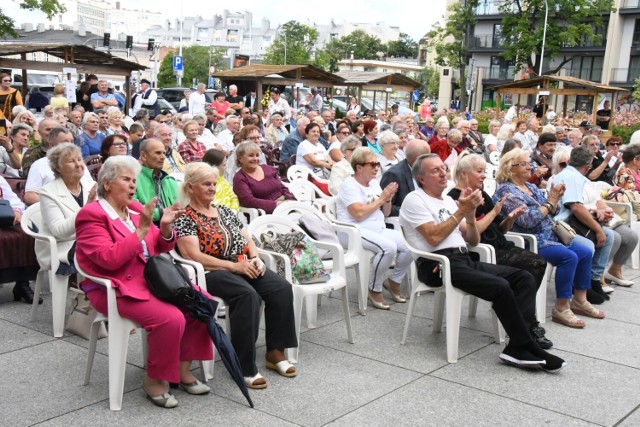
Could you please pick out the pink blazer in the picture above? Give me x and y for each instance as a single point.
(106, 248)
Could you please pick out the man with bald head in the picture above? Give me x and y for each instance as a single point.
(291, 142)
(173, 162)
(401, 174)
(39, 151)
(152, 181)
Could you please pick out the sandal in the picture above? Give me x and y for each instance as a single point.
(586, 309)
(567, 318)
(282, 368)
(256, 382)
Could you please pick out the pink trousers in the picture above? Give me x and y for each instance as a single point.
(173, 336)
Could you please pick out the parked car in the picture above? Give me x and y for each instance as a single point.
(175, 94)
(163, 104)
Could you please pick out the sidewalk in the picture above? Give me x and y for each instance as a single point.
(374, 382)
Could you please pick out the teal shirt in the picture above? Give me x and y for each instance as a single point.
(146, 190)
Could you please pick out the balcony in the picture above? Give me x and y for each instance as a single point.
(630, 4)
(496, 73)
(489, 7)
(485, 41)
(624, 75)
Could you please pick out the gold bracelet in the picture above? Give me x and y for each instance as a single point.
(455, 219)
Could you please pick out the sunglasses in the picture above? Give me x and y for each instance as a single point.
(372, 164)
(614, 144)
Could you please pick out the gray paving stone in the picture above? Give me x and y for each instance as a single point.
(423, 352)
(15, 337)
(632, 420)
(44, 381)
(581, 390)
(330, 384)
(433, 402)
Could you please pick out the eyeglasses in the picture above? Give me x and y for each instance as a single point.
(349, 149)
(119, 144)
(255, 138)
(372, 164)
(614, 144)
(345, 133)
(523, 164)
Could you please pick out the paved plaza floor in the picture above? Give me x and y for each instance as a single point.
(373, 382)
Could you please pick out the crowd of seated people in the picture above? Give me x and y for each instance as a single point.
(178, 182)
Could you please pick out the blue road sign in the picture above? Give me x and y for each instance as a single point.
(211, 82)
(177, 63)
(416, 94)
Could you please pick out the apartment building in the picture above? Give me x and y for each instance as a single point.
(615, 60)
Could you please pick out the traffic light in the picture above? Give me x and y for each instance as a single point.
(129, 42)
(150, 44)
(106, 39)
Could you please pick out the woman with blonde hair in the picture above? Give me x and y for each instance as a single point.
(58, 99)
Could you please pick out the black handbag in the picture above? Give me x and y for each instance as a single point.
(582, 229)
(7, 215)
(168, 281)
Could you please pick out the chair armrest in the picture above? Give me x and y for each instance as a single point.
(394, 221)
(353, 234)
(445, 268)
(199, 269)
(270, 256)
(250, 213)
(486, 252)
(337, 256)
(627, 207)
(528, 238)
(517, 240)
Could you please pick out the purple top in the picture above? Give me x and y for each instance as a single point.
(260, 194)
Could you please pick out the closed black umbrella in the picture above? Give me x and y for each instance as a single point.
(204, 309)
(170, 282)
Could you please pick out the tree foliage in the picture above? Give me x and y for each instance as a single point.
(196, 65)
(570, 23)
(299, 40)
(451, 41)
(363, 46)
(49, 7)
(429, 79)
(404, 47)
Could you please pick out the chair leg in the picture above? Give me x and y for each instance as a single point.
(93, 341)
(473, 306)
(635, 257)
(541, 296)
(498, 330)
(207, 367)
(363, 282)
(438, 310)
(118, 345)
(298, 300)
(59, 285)
(347, 315)
(40, 278)
(412, 305)
(453, 312)
(311, 306)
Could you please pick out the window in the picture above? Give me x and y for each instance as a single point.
(587, 68)
(635, 41)
(497, 35)
(634, 69)
(501, 69)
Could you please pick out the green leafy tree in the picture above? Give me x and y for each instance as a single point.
(299, 40)
(570, 23)
(430, 81)
(451, 41)
(49, 7)
(196, 65)
(404, 47)
(636, 90)
(363, 46)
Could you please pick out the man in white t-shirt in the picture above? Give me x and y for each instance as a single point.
(433, 222)
(225, 138)
(197, 100)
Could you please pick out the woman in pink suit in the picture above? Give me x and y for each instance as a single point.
(115, 237)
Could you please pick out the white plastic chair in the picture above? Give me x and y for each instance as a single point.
(305, 191)
(31, 224)
(296, 172)
(337, 280)
(246, 215)
(354, 255)
(119, 331)
(494, 158)
(541, 297)
(444, 295)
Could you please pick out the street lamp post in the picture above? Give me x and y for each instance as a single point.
(544, 34)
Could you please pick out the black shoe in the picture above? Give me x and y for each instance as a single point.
(552, 363)
(597, 288)
(537, 333)
(521, 357)
(22, 291)
(594, 298)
